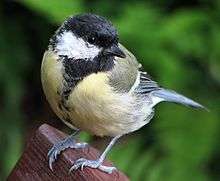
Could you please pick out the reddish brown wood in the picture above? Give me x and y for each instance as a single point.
(33, 164)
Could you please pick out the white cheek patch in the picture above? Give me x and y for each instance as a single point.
(74, 47)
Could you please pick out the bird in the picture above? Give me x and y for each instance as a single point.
(94, 84)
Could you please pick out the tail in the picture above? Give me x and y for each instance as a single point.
(171, 96)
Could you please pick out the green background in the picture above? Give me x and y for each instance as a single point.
(177, 41)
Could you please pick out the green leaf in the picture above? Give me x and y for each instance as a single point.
(55, 10)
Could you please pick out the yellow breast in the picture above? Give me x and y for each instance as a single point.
(97, 109)
(90, 104)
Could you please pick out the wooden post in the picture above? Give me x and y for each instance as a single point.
(33, 164)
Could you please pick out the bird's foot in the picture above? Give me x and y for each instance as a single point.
(69, 142)
(82, 162)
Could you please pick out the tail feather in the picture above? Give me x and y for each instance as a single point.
(172, 96)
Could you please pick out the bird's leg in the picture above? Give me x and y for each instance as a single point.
(82, 162)
(68, 142)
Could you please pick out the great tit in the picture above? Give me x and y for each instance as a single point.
(94, 84)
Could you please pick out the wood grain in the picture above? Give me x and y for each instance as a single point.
(33, 164)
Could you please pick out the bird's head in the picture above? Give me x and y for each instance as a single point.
(86, 36)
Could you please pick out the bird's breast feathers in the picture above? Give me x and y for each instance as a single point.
(93, 104)
(97, 108)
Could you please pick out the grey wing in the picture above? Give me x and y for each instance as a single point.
(125, 72)
(126, 75)
(158, 94)
(146, 84)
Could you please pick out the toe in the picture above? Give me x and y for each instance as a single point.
(82, 162)
(50, 152)
(77, 164)
(52, 156)
(107, 169)
(74, 167)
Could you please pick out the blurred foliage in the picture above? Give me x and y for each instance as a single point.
(177, 42)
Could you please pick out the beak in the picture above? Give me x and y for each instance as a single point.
(115, 51)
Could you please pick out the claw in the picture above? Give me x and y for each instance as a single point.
(82, 162)
(50, 165)
(69, 142)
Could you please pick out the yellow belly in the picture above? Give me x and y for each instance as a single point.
(96, 108)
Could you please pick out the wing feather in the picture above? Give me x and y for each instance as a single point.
(127, 75)
(146, 84)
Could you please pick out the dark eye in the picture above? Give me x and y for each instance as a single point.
(91, 40)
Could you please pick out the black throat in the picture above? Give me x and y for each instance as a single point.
(77, 69)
